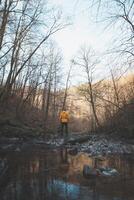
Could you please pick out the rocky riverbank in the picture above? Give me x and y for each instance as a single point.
(94, 145)
(99, 145)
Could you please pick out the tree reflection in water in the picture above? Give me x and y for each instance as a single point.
(56, 175)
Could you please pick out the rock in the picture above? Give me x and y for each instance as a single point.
(55, 142)
(109, 152)
(3, 170)
(100, 158)
(7, 147)
(106, 171)
(98, 145)
(73, 151)
(17, 149)
(90, 172)
(3, 164)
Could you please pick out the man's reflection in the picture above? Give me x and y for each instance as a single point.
(34, 166)
(64, 155)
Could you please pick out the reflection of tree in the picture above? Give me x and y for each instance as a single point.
(64, 155)
(43, 178)
(91, 192)
(94, 189)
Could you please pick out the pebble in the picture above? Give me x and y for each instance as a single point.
(98, 146)
(104, 146)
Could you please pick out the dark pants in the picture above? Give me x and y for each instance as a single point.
(64, 126)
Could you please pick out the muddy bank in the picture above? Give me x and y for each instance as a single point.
(11, 128)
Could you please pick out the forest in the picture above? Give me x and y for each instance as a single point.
(33, 85)
(66, 100)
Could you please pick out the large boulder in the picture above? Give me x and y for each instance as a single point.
(89, 171)
(107, 171)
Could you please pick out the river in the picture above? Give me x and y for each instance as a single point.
(57, 175)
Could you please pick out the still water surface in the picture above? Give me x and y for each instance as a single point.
(57, 175)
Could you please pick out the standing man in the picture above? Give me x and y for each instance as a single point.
(64, 119)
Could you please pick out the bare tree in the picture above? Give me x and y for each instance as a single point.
(67, 87)
(88, 62)
(50, 91)
(22, 26)
(121, 13)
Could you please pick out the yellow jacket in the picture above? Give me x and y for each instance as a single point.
(64, 117)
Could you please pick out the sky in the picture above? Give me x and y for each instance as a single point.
(82, 31)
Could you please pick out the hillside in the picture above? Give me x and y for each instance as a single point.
(113, 104)
(115, 113)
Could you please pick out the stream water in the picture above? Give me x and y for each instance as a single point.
(57, 175)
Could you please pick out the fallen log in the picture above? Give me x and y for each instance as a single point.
(77, 139)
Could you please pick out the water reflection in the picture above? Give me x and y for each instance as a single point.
(34, 166)
(56, 175)
(64, 155)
